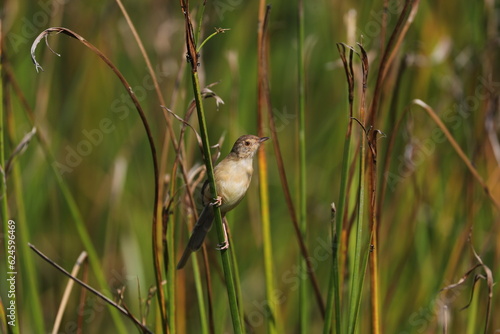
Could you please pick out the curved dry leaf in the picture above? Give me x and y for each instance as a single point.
(207, 92)
(20, 148)
(180, 119)
(489, 281)
(476, 279)
(488, 278)
(462, 280)
(44, 35)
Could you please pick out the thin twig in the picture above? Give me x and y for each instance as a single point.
(91, 289)
(459, 150)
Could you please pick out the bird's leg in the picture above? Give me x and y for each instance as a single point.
(225, 244)
(216, 201)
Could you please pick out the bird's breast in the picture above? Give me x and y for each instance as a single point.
(233, 179)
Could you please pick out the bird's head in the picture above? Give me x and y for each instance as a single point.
(246, 146)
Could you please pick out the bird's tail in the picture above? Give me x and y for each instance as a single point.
(203, 225)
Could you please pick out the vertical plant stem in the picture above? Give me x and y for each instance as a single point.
(374, 297)
(199, 294)
(384, 25)
(472, 314)
(77, 217)
(359, 266)
(267, 242)
(226, 261)
(355, 292)
(346, 158)
(170, 135)
(291, 210)
(357, 275)
(197, 274)
(166, 235)
(197, 37)
(3, 193)
(374, 293)
(303, 289)
(210, 297)
(332, 288)
(27, 264)
(236, 274)
(338, 264)
(263, 175)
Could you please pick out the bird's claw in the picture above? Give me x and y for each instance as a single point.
(216, 201)
(222, 246)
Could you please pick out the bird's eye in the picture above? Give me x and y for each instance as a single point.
(247, 143)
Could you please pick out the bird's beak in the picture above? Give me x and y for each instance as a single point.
(263, 139)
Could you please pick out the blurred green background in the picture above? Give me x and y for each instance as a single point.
(449, 59)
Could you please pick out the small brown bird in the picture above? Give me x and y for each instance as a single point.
(232, 179)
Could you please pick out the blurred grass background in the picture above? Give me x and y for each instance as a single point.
(449, 59)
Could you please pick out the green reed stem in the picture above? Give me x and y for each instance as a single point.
(263, 104)
(226, 261)
(358, 273)
(332, 287)
(303, 291)
(3, 193)
(199, 293)
(28, 266)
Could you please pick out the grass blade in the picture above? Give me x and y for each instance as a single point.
(263, 103)
(346, 161)
(358, 271)
(303, 288)
(3, 192)
(333, 289)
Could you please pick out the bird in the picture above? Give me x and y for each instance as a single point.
(232, 178)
